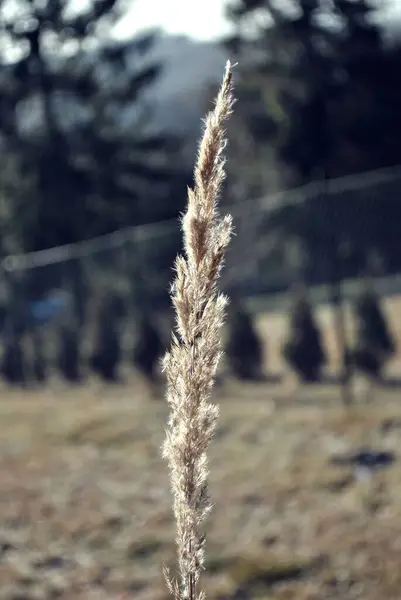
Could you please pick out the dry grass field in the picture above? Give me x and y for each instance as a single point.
(85, 502)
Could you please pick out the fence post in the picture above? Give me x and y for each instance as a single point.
(342, 341)
(337, 302)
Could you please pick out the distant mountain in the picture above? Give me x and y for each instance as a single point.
(189, 69)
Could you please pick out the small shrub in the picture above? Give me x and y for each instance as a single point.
(244, 348)
(303, 349)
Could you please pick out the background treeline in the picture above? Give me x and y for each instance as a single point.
(83, 152)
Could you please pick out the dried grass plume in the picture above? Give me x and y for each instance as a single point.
(192, 361)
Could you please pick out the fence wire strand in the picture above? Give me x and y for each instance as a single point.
(241, 210)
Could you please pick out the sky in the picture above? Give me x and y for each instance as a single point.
(200, 19)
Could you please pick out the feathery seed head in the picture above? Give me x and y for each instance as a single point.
(192, 361)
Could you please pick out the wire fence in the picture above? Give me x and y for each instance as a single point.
(66, 301)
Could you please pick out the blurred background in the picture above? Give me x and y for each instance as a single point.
(101, 104)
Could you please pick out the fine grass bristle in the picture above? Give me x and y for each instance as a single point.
(192, 360)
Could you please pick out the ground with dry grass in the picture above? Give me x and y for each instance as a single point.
(85, 502)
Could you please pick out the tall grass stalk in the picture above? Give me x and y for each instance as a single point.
(191, 363)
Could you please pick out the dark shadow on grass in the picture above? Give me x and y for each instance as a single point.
(391, 383)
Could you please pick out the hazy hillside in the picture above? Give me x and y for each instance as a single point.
(189, 67)
(174, 102)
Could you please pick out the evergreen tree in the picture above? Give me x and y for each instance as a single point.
(64, 94)
(13, 360)
(303, 349)
(244, 347)
(316, 57)
(107, 350)
(69, 355)
(374, 342)
(324, 77)
(148, 347)
(39, 359)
